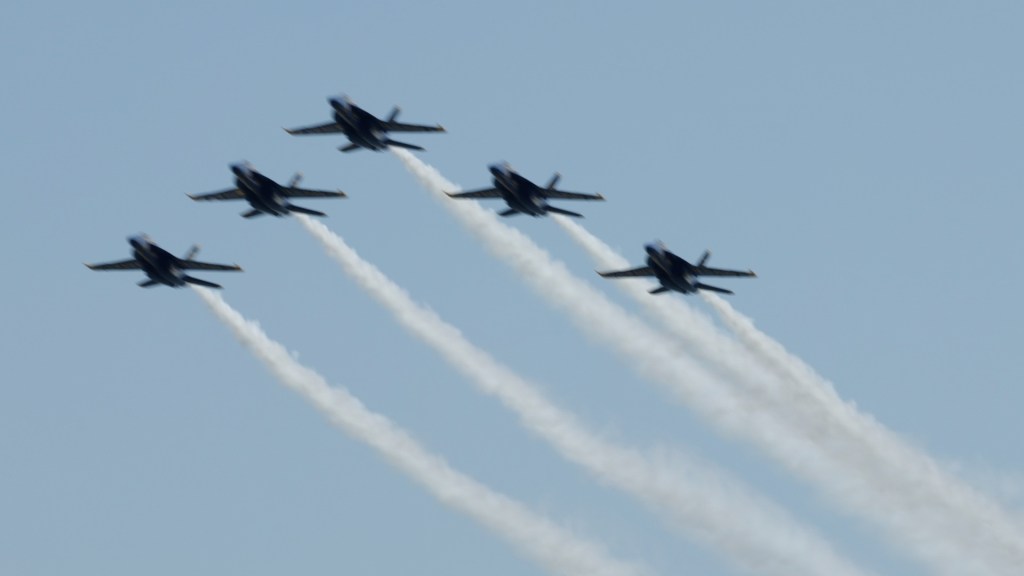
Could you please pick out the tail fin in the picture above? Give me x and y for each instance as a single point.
(391, 142)
(703, 286)
(554, 180)
(295, 180)
(394, 114)
(198, 282)
(704, 258)
(563, 212)
(191, 252)
(294, 208)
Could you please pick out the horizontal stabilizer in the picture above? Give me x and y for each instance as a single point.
(658, 290)
(391, 142)
(300, 209)
(349, 147)
(199, 282)
(148, 283)
(703, 286)
(252, 213)
(508, 212)
(562, 212)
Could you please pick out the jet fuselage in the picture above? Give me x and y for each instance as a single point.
(261, 192)
(158, 264)
(518, 192)
(672, 271)
(358, 125)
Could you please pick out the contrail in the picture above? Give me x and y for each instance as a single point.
(557, 550)
(806, 400)
(948, 544)
(706, 503)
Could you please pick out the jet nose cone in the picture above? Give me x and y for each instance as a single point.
(499, 168)
(137, 240)
(652, 249)
(339, 102)
(239, 168)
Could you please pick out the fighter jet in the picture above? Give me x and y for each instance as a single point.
(523, 196)
(364, 130)
(161, 266)
(677, 274)
(264, 195)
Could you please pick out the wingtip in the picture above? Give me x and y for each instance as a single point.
(441, 128)
(288, 130)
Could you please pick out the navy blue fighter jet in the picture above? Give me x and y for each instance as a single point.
(523, 196)
(364, 130)
(675, 273)
(162, 267)
(266, 196)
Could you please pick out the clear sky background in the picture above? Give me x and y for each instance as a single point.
(864, 160)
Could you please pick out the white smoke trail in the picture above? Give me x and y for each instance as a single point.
(557, 550)
(810, 403)
(706, 503)
(950, 545)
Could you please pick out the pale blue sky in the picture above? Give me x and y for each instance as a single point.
(865, 161)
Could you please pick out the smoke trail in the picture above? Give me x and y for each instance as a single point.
(809, 402)
(704, 502)
(557, 550)
(950, 544)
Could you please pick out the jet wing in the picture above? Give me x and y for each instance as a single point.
(132, 264)
(400, 127)
(569, 195)
(705, 271)
(229, 194)
(291, 192)
(482, 193)
(196, 265)
(328, 128)
(642, 271)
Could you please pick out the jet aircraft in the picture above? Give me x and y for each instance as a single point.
(264, 195)
(675, 273)
(523, 196)
(364, 130)
(161, 266)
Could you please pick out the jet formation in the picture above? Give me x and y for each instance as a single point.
(364, 130)
(675, 273)
(522, 195)
(162, 267)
